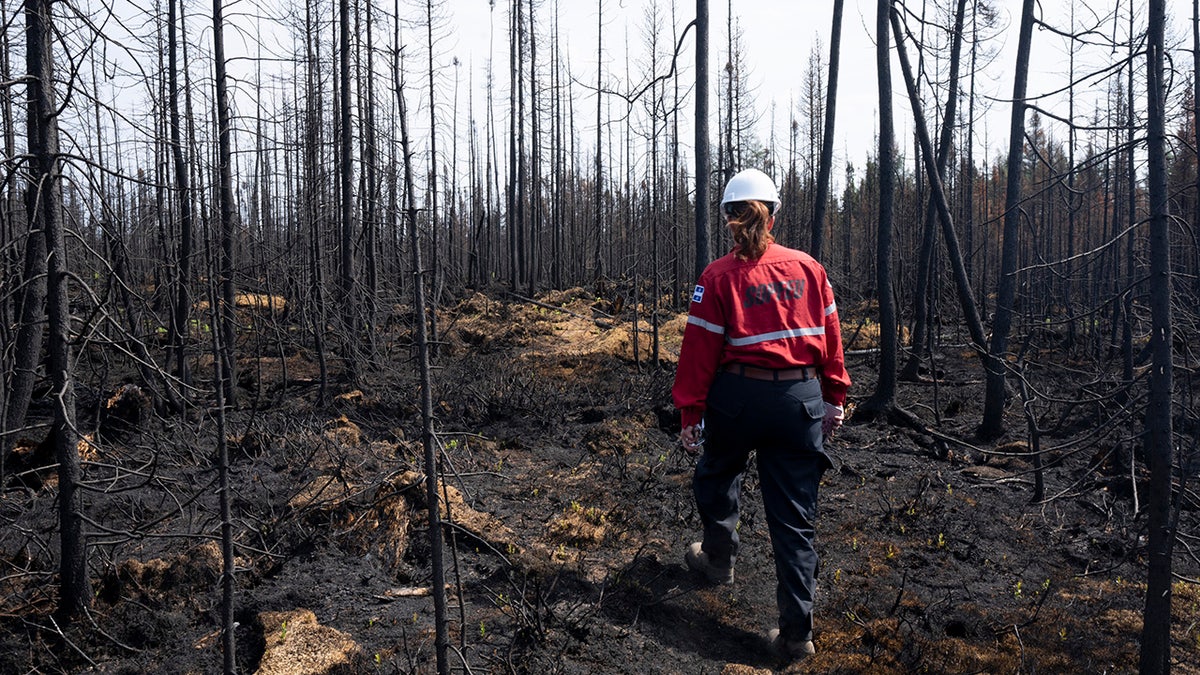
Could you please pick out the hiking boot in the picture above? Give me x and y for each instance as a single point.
(697, 560)
(793, 650)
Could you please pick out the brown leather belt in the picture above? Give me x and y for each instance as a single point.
(782, 375)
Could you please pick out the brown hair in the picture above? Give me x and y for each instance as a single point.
(748, 221)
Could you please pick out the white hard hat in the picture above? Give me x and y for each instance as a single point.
(751, 184)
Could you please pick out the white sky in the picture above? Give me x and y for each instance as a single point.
(779, 35)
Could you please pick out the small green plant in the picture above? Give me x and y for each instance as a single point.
(482, 630)
(941, 540)
(283, 632)
(378, 660)
(1017, 590)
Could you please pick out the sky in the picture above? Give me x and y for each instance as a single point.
(778, 38)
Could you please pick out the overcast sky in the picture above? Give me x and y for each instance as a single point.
(778, 37)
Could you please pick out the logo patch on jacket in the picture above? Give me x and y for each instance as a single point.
(778, 291)
(698, 294)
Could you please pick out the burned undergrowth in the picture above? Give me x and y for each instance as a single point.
(568, 507)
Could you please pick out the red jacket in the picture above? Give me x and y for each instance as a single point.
(774, 312)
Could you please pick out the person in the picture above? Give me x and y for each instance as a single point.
(761, 369)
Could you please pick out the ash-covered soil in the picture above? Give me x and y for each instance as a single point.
(569, 510)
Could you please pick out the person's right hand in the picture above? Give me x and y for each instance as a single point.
(690, 439)
(834, 415)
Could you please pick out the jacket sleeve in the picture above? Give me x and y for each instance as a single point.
(835, 381)
(700, 353)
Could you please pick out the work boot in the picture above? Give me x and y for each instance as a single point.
(792, 650)
(697, 559)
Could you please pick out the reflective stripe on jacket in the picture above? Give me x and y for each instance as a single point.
(774, 312)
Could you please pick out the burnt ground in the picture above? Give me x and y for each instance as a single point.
(570, 508)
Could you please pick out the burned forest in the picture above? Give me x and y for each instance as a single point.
(340, 337)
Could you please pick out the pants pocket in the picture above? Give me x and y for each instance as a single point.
(724, 397)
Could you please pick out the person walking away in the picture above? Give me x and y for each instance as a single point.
(761, 369)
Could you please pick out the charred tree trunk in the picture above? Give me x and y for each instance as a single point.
(1156, 621)
(938, 202)
(47, 215)
(702, 149)
(226, 209)
(434, 211)
(883, 400)
(346, 276)
(598, 226)
(995, 392)
(227, 374)
(422, 340)
(183, 301)
(826, 161)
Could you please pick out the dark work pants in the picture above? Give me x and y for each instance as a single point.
(782, 421)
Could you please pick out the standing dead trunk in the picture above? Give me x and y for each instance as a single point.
(226, 208)
(702, 158)
(1156, 619)
(598, 225)
(31, 299)
(422, 340)
(826, 162)
(346, 277)
(883, 399)
(995, 393)
(227, 373)
(31, 308)
(183, 301)
(938, 201)
(47, 215)
(434, 211)
(535, 165)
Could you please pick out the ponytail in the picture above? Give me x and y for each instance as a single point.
(748, 222)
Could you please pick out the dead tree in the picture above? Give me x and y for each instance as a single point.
(934, 168)
(995, 391)
(937, 198)
(1156, 621)
(702, 149)
(826, 161)
(226, 208)
(183, 275)
(45, 202)
(346, 275)
(224, 346)
(883, 400)
(422, 343)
